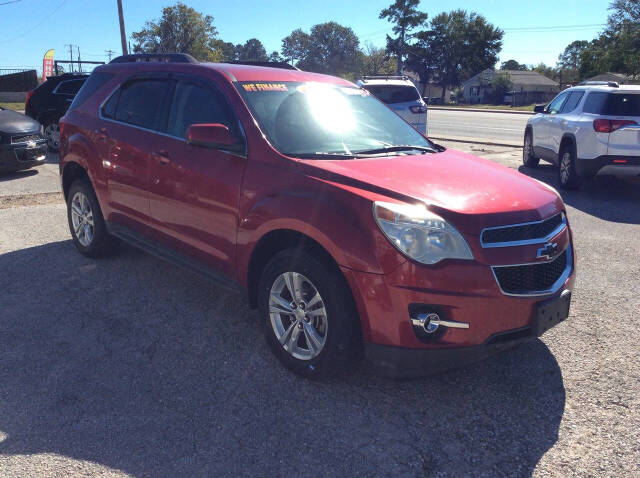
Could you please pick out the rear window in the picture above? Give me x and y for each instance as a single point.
(394, 93)
(93, 83)
(613, 104)
(140, 103)
(69, 87)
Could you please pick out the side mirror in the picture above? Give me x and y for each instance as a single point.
(212, 135)
(539, 108)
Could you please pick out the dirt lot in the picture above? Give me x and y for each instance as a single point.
(130, 366)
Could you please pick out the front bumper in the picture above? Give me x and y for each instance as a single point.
(609, 165)
(400, 362)
(16, 157)
(463, 292)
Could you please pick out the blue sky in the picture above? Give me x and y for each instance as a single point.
(30, 27)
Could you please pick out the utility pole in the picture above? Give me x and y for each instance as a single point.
(79, 62)
(123, 37)
(70, 57)
(109, 53)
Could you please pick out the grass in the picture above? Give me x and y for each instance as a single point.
(12, 106)
(496, 107)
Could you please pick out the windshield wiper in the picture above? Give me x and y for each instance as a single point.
(322, 155)
(396, 148)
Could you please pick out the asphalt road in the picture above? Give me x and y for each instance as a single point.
(491, 127)
(130, 366)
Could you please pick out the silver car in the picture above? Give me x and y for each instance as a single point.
(401, 95)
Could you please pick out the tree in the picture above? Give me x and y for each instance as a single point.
(500, 85)
(295, 46)
(406, 17)
(329, 48)
(459, 45)
(569, 59)
(617, 48)
(252, 50)
(545, 70)
(181, 29)
(275, 57)
(376, 61)
(513, 65)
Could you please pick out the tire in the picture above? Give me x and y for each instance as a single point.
(568, 177)
(52, 135)
(528, 159)
(87, 226)
(288, 329)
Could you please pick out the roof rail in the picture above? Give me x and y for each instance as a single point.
(612, 84)
(386, 77)
(155, 57)
(271, 64)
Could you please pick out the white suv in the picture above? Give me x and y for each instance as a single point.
(400, 94)
(588, 130)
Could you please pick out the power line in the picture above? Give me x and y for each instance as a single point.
(37, 24)
(12, 1)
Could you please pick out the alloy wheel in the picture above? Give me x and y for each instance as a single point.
(82, 219)
(52, 135)
(565, 167)
(527, 148)
(298, 315)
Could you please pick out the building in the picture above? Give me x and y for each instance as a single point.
(619, 78)
(526, 87)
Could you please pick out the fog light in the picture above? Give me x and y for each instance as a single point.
(429, 322)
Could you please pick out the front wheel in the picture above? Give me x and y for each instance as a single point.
(309, 317)
(52, 135)
(528, 159)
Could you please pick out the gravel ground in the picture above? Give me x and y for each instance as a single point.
(130, 366)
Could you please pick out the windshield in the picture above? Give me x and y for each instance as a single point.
(394, 93)
(320, 119)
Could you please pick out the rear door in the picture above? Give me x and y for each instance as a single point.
(195, 191)
(623, 109)
(131, 118)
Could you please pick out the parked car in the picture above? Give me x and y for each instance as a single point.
(401, 95)
(340, 222)
(22, 145)
(588, 130)
(48, 102)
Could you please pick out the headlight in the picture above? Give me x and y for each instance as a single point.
(420, 234)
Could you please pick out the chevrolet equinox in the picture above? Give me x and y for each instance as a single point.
(348, 229)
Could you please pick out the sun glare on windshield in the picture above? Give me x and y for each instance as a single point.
(329, 108)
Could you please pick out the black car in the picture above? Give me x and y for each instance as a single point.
(49, 102)
(22, 144)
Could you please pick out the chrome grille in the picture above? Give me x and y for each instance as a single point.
(522, 234)
(26, 138)
(534, 279)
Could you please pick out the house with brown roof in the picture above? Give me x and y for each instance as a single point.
(526, 87)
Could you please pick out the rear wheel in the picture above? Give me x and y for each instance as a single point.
(528, 158)
(567, 174)
(309, 317)
(52, 135)
(87, 226)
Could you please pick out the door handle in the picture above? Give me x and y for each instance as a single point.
(162, 157)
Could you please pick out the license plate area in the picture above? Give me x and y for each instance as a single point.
(551, 312)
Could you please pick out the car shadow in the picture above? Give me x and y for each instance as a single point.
(15, 175)
(608, 198)
(134, 364)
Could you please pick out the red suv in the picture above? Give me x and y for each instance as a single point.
(347, 228)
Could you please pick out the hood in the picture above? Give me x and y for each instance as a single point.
(12, 122)
(471, 192)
